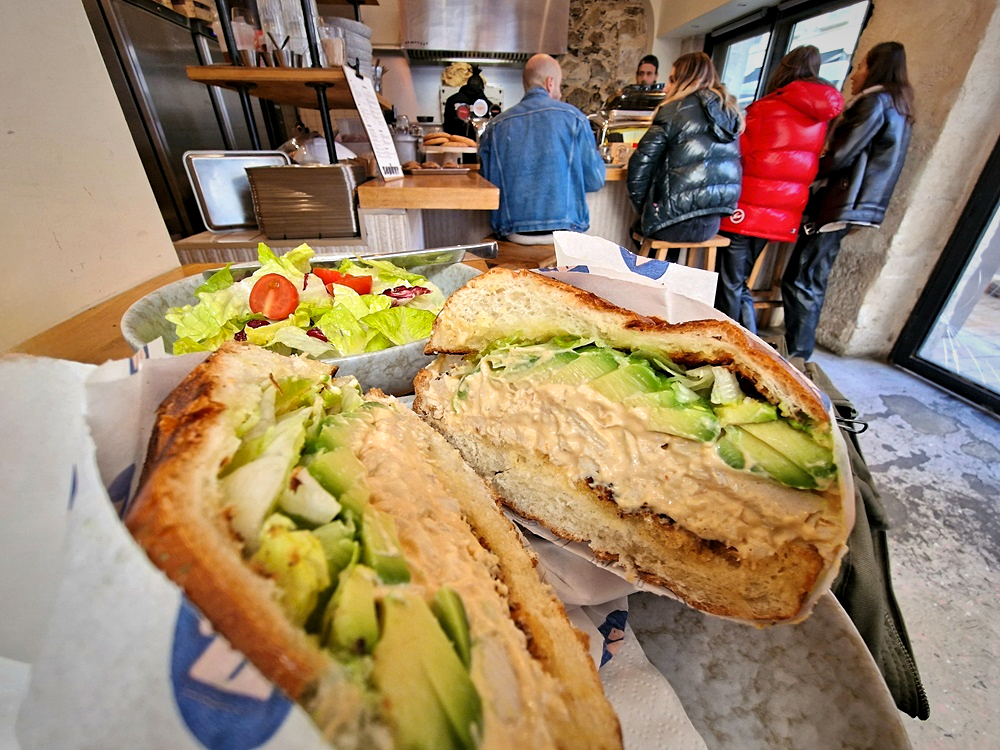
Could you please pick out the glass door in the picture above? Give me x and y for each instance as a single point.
(953, 335)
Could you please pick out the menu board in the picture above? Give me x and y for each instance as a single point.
(375, 125)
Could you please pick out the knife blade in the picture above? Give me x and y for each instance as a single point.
(404, 259)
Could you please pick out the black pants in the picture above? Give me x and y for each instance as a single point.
(698, 229)
(735, 264)
(803, 288)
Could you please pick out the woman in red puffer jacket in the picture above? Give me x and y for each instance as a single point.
(779, 151)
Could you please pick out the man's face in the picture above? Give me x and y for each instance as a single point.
(645, 75)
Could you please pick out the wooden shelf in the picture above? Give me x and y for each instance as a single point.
(281, 85)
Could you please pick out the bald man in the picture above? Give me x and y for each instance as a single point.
(542, 155)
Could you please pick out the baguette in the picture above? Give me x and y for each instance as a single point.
(674, 490)
(225, 516)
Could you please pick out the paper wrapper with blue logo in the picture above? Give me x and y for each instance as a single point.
(125, 661)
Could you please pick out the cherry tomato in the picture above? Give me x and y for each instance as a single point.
(360, 284)
(274, 296)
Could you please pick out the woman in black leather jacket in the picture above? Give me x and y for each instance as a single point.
(856, 178)
(685, 174)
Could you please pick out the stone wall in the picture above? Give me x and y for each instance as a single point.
(606, 41)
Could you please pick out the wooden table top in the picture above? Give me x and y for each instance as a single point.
(94, 336)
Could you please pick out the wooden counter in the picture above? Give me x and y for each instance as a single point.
(462, 192)
(616, 173)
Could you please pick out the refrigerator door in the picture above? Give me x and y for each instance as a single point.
(146, 48)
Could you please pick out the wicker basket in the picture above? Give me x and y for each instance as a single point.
(305, 202)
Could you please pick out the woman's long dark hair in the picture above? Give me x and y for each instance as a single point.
(801, 64)
(886, 63)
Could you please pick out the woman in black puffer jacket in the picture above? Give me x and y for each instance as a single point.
(685, 175)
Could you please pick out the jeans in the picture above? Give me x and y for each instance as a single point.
(698, 229)
(735, 264)
(803, 288)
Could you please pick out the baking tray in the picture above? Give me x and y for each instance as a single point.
(222, 188)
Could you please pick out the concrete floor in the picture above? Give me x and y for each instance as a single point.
(936, 465)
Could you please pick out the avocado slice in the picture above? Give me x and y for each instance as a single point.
(351, 620)
(588, 366)
(448, 608)
(380, 548)
(343, 475)
(687, 415)
(339, 545)
(762, 458)
(795, 445)
(628, 380)
(730, 453)
(747, 411)
(427, 694)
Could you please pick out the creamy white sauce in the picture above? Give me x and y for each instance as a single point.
(597, 439)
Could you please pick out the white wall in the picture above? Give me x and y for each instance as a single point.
(79, 220)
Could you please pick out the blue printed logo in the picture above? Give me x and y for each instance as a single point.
(119, 487)
(651, 268)
(224, 701)
(613, 630)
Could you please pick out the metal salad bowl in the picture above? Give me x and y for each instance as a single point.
(392, 370)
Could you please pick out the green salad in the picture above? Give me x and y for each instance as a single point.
(292, 308)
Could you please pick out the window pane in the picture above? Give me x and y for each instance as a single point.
(836, 35)
(741, 69)
(965, 339)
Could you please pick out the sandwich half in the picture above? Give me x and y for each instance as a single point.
(347, 550)
(690, 456)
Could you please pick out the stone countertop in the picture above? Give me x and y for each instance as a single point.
(812, 685)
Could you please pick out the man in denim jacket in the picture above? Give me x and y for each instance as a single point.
(542, 155)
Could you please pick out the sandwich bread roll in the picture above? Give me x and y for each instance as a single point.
(691, 456)
(346, 549)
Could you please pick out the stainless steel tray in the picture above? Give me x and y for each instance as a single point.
(404, 259)
(221, 185)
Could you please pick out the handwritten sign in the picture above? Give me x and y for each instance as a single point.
(375, 125)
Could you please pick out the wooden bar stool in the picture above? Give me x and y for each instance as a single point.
(694, 254)
(514, 256)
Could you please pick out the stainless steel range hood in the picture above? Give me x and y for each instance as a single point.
(483, 30)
